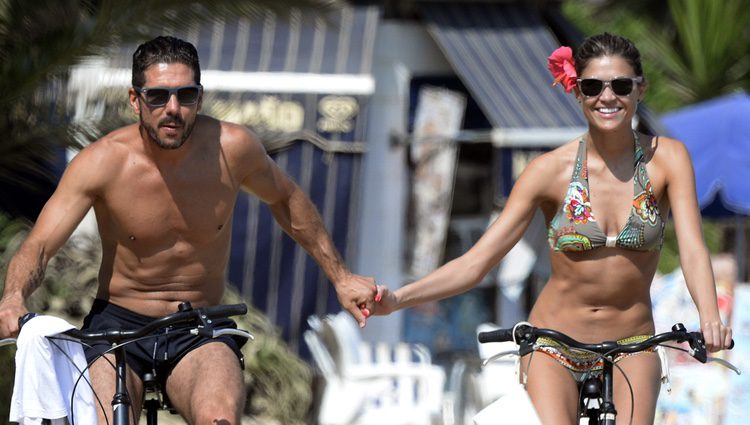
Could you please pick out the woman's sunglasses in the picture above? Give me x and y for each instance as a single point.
(159, 96)
(621, 86)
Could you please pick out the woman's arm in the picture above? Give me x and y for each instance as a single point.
(466, 271)
(694, 256)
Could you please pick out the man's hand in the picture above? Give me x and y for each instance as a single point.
(357, 295)
(10, 311)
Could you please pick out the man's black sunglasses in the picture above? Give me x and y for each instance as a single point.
(621, 86)
(159, 96)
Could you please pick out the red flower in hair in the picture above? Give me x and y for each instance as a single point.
(560, 64)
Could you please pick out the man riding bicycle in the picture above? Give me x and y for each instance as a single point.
(163, 191)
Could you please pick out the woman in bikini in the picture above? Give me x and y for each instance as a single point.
(605, 197)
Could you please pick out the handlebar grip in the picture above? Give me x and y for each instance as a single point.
(500, 335)
(25, 318)
(225, 310)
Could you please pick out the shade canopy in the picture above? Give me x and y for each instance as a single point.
(717, 135)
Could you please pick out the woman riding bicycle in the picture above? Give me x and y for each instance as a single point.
(605, 197)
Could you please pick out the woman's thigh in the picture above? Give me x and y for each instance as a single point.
(643, 372)
(552, 389)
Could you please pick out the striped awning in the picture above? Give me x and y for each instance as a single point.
(311, 104)
(300, 52)
(499, 51)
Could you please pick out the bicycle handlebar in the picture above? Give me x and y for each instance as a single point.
(527, 335)
(186, 314)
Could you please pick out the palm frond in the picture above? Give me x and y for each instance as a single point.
(712, 37)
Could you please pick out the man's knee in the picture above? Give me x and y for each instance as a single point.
(222, 411)
(221, 407)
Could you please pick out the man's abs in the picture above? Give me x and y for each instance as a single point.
(156, 300)
(155, 284)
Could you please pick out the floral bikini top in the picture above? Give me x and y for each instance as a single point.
(574, 227)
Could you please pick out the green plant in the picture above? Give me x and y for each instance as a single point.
(279, 382)
(7, 365)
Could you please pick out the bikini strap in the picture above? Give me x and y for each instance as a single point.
(580, 170)
(640, 177)
(638, 154)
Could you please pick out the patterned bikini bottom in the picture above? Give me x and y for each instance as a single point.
(584, 364)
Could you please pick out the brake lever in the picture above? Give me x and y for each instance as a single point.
(725, 363)
(494, 357)
(231, 331)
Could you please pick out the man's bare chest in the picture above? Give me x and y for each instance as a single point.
(159, 208)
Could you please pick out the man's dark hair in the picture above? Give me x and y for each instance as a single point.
(164, 49)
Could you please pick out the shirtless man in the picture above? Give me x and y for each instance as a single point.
(163, 191)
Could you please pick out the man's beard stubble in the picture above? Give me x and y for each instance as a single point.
(154, 134)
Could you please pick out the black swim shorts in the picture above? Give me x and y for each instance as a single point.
(159, 353)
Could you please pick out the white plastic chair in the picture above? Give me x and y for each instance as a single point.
(395, 385)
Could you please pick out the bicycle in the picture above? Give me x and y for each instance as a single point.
(196, 321)
(596, 395)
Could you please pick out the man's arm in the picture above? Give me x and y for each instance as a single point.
(59, 217)
(299, 218)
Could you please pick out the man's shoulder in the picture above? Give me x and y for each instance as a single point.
(121, 139)
(236, 131)
(108, 151)
(232, 136)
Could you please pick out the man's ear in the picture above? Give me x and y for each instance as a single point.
(134, 101)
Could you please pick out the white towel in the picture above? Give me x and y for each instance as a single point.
(45, 377)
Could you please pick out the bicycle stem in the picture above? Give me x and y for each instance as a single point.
(607, 412)
(121, 401)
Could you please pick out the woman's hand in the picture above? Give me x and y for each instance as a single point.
(716, 335)
(385, 301)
